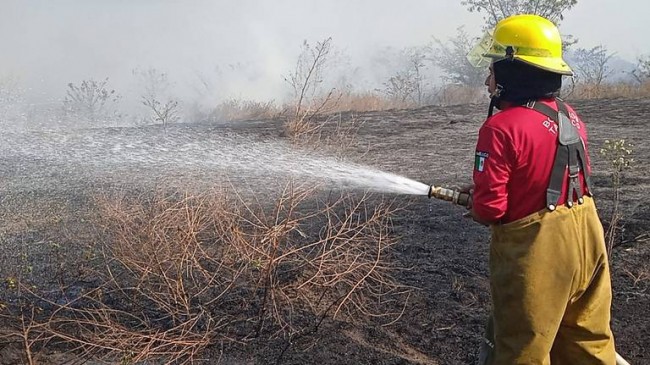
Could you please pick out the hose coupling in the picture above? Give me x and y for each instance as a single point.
(450, 195)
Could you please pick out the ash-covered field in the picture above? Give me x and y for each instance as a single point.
(48, 178)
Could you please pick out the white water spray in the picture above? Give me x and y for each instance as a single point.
(131, 151)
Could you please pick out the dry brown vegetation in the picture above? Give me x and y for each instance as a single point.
(174, 273)
(300, 277)
(445, 95)
(613, 90)
(238, 110)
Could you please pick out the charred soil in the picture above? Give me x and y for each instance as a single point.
(440, 255)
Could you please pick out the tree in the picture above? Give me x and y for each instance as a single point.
(408, 83)
(641, 72)
(496, 10)
(91, 99)
(451, 57)
(310, 97)
(307, 77)
(156, 97)
(591, 66)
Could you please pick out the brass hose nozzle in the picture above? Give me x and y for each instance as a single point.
(450, 195)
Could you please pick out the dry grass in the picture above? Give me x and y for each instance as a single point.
(367, 101)
(458, 94)
(239, 110)
(616, 90)
(182, 272)
(236, 110)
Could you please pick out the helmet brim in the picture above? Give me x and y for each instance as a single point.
(556, 65)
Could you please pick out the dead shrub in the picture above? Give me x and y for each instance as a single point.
(181, 272)
(310, 100)
(302, 130)
(25, 330)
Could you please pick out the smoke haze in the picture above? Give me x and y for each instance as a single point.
(219, 49)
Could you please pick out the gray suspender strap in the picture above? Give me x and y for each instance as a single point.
(570, 138)
(581, 154)
(570, 155)
(554, 190)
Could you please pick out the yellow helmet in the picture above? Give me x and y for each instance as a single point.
(526, 37)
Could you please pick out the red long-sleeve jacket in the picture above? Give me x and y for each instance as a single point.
(514, 158)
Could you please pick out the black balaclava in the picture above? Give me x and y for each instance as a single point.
(519, 82)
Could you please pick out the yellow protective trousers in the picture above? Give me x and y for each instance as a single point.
(551, 289)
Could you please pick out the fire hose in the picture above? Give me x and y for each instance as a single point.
(464, 199)
(451, 195)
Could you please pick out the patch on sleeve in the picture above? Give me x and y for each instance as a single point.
(479, 161)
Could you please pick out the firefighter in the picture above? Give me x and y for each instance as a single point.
(549, 274)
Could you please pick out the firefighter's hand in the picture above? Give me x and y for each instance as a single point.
(470, 214)
(467, 189)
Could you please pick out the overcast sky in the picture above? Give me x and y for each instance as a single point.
(48, 43)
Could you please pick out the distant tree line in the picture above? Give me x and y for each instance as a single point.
(408, 80)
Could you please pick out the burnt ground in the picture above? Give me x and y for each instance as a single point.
(441, 255)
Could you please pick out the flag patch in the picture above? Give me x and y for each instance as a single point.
(479, 161)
